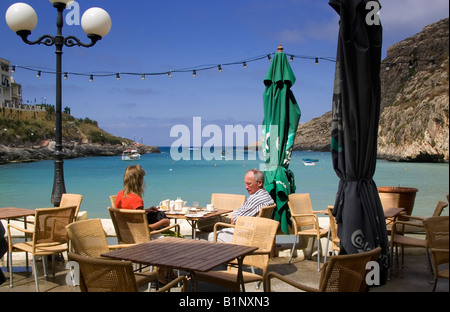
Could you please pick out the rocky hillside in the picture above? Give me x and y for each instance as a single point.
(414, 123)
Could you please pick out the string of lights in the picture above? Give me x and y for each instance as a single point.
(196, 69)
(193, 70)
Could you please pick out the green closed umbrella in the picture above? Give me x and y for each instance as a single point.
(281, 118)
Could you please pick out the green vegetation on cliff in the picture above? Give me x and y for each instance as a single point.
(23, 127)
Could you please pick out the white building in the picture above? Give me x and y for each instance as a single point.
(11, 92)
(5, 83)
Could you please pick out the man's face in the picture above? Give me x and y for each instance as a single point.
(250, 184)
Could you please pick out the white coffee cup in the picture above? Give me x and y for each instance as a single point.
(209, 207)
(165, 204)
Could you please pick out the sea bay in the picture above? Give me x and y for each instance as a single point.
(29, 185)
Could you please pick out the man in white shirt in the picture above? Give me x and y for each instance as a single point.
(259, 197)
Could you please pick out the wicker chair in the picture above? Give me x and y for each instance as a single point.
(342, 273)
(49, 237)
(88, 239)
(266, 212)
(227, 201)
(106, 275)
(437, 229)
(248, 231)
(400, 237)
(112, 198)
(306, 223)
(332, 234)
(71, 200)
(221, 201)
(132, 226)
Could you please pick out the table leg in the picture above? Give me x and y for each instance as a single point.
(240, 275)
(194, 232)
(194, 281)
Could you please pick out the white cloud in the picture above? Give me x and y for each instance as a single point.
(403, 18)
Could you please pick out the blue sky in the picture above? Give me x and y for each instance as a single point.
(160, 36)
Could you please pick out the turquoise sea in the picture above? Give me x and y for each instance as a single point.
(29, 185)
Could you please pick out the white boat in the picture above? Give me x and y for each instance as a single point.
(309, 163)
(130, 154)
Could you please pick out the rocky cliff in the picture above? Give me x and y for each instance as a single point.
(414, 123)
(72, 150)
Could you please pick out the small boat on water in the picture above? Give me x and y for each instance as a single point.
(310, 160)
(130, 154)
(309, 163)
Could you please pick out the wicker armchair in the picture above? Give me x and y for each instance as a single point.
(306, 223)
(88, 239)
(221, 201)
(227, 201)
(332, 234)
(248, 231)
(106, 275)
(437, 229)
(49, 237)
(71, 200)
(132, 226)
(112, 199)
(399, 237)
(266, 212)
(343, 273)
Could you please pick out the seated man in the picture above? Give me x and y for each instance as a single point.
(254, 183)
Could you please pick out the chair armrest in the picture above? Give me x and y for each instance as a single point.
(260, 253)
(8, 231)
(120, 246)
(175, 282)
(394, 229)
(27, 231)
(405, 216)
(177, 226)
(222, 224)
(440, 250)
(271, 275)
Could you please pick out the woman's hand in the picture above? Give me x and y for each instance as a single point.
(151, 209)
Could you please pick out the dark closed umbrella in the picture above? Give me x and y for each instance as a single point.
(356, 111)
(281, 118)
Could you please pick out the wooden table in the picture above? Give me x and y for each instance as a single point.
(193, 220)
(13, 213)
(391, 214)
(189, 255)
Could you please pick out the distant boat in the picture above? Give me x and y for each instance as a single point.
(130, 154)
(310, 160)
(309, 163)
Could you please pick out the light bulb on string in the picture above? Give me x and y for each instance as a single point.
(38, 74)
(220, 68)
(66, 76)
(143, 77)
(118, 77)
(91, 78)
(244, 64)
(194, 73)
(317, 61)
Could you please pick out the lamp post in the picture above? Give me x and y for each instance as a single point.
(96, 23)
